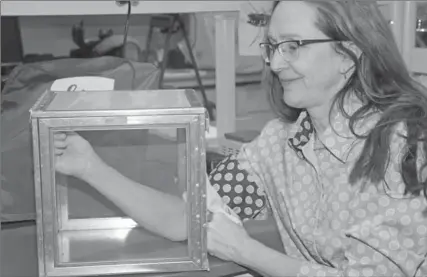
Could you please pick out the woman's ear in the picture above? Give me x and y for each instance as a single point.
(348, 62)
(352, 47)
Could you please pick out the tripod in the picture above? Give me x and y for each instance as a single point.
(172, 23)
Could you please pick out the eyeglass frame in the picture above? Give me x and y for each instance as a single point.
(300, 43)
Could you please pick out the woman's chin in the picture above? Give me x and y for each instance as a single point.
(293, 102)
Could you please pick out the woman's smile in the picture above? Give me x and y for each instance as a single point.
(286, 83)
(289, 80)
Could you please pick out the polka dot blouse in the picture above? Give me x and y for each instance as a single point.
(301, 179)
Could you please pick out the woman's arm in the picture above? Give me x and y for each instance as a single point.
(165, 214)
(158, 212)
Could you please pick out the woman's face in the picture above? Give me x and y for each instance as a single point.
(315, 76)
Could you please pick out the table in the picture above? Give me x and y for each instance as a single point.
(19, 251)
(225, 45)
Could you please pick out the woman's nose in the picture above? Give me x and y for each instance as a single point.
(277, 62)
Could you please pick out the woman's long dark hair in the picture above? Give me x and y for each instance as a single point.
(382, 83)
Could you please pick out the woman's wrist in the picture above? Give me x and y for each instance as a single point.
(245, 253)
(93, 168)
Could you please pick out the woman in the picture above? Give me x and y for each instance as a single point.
(342, 169)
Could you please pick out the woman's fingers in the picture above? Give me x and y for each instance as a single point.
(209, 216)
(60, 142)
(71, 134)
(63, 140)
(59, 152)
(59, 136)
(64, 135)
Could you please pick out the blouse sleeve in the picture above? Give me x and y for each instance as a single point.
(388, 229)
(239, 189)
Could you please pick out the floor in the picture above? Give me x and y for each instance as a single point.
(18, 242)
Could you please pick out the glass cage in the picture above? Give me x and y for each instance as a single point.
(156, 138)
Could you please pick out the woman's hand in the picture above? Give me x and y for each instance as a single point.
(74, 155)
(226, 239)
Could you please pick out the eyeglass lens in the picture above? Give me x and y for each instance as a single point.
(288, 50)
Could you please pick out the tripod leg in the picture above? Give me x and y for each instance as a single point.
(148, 42)
(165, 53)
(208, 105)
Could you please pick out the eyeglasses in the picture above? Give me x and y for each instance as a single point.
(288, 49)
